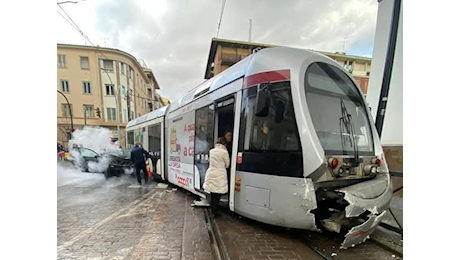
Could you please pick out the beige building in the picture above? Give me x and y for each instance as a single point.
(96, 81)
(224, 53)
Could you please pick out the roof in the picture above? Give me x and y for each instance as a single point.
(150, 72)
(243, 44)
(100, 49)
(147, 117)
(165, 100)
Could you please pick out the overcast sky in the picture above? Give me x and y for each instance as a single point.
(173, 37)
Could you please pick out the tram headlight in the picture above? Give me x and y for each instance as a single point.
(338, 171)
(370, 169)
(333, 162)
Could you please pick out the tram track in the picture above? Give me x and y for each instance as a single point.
(240, 236)
(217, 243)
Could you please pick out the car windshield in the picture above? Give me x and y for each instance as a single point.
(85, 152)
(125, 152)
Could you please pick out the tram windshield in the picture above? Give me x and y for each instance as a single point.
(328, 89)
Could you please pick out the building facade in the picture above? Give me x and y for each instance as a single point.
(224, 53)
(103, 86)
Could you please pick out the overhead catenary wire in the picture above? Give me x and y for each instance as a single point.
(77, 28)
(69, 22)
(75, 25)
(70, 2)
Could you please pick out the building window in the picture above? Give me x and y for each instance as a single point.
(349, 65)
(122, 68)
(84, 63)
(108, 65)
(65, 86)
(88, 110)
(86, 87)
(62, 59)
(123, 90)
(66, 110)
(111, 114)
(109, 90)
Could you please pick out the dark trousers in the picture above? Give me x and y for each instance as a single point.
(139, 167)
(215, 198)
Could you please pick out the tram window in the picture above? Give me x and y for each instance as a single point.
(154, 138)
(138, 135)
(131, 137)
(278, 130)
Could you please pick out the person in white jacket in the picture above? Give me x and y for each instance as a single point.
(216, 176)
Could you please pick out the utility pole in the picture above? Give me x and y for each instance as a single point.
(70, 111)
(128, 103)
(388, 69)
(250, 29)
(220, 19)
(344, 41)
(85, 113)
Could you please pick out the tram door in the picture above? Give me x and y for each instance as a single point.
(224, 121)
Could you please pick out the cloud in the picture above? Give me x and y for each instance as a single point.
(173, 37)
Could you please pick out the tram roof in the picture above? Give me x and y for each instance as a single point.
(149, 116)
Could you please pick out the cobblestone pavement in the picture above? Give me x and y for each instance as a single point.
(118, 220)
(246, 239)
(249, 239)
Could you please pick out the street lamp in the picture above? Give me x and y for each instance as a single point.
(70, 111)
(116, 103)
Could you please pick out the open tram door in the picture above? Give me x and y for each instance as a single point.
(211, 122)
(224, 122)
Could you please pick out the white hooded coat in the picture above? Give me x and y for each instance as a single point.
(216, 175)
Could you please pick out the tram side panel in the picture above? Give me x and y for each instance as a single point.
(180, 150)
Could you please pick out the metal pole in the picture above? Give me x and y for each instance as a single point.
(70, 110)
(116, 104)
(383, 100)
(250, 29)
(85, 114)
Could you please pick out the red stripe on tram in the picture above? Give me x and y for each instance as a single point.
(269, 76)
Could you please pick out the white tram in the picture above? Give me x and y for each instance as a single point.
(305, 151)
